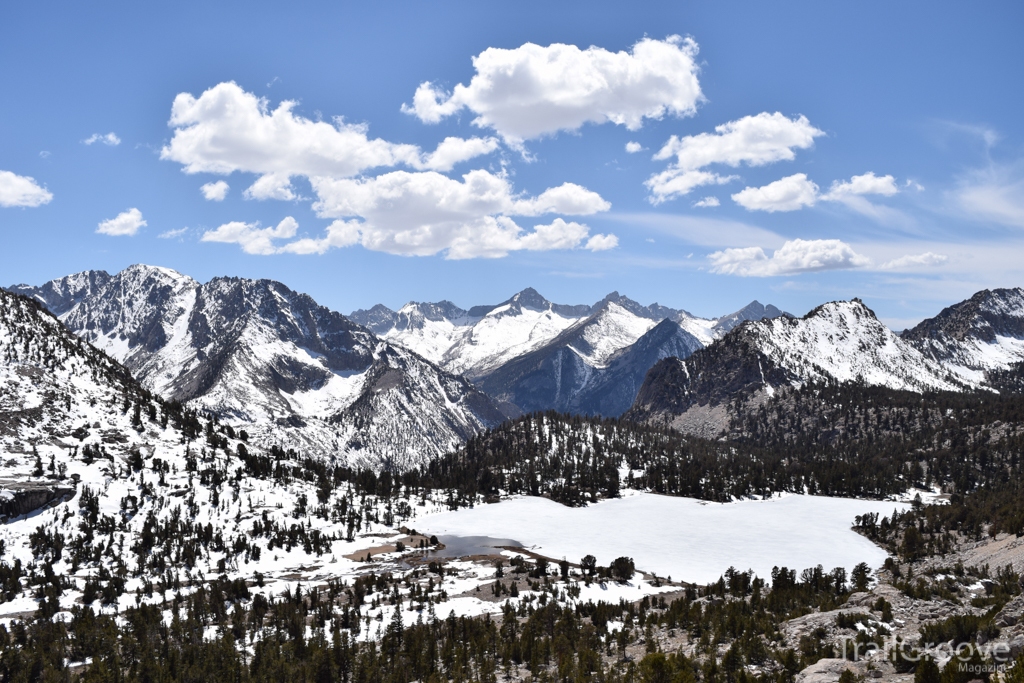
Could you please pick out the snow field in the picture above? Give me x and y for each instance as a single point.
(684, 538)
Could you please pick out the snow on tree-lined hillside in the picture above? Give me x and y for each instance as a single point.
(114, 498)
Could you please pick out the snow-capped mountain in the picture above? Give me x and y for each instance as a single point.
(539, 355)
(60, 295)
(976, 336)
(836, 342)
(593, 367)
(478, 340)
(755, 310)
(257, 353)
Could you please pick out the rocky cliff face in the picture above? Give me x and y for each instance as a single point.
(61, 295)
(976, 337)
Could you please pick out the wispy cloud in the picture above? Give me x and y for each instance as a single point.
(701, 230)
(171, 234)
(994, 195)
(109, 139)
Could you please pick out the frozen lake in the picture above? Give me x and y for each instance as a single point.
(683, 538)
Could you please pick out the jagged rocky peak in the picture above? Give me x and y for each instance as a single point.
(530, 298)
(989, 314)
(228, 306)
(62, 294)
(379, 319)
(755, 310)
(653, 312)
(977, 337)
(414, 314)
(129, 311)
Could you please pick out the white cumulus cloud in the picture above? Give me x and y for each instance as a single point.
(797, 191)
(425, 213)
(19, 190)
(271, 186)
(602, 242)
(531, 91)
(752, 140)
(633, 147)
(215, 192)
(227, 129)
(452, 151)
(417, 212)
(786, 194)
(793, 257)
(707, 202)
(868, 183)
(126, 223)
(109, 139)
(252, 238)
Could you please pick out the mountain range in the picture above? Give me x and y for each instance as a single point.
(394, 389)
(378, 387)
(964, 348)
(537, 355)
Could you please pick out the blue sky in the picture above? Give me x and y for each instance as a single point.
(698, 155)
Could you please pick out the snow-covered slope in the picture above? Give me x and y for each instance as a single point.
(606, 332)
(976, 336)
(844, 341)
(837, 342)
(52, 383)
(257, 353)
(110, 497)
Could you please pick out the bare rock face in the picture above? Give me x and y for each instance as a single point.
(22, 498)
(828, 671)
(61, 295)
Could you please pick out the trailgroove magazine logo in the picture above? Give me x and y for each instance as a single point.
(969, 657)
